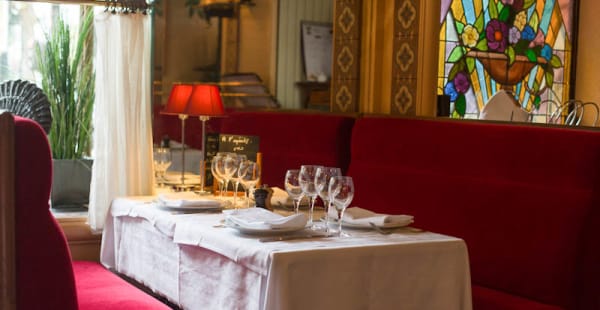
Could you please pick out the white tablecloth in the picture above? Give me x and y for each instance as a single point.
(198, 264)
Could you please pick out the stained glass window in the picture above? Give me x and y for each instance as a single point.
(522, 46)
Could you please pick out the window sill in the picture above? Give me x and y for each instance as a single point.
(84, 244)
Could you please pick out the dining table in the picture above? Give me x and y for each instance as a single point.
(196, 260)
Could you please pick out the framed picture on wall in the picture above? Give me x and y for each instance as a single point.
(316, 42)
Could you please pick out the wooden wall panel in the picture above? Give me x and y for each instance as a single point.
(405, 57)
(345, 81)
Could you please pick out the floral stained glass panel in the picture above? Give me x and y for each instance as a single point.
(522, 46)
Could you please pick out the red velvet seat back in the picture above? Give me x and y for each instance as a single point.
(520, 196)
(44, 273)
(290, 139)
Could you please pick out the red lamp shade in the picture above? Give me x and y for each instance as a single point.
(178, 99)
(205, 100)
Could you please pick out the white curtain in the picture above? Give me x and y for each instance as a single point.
(122, 140)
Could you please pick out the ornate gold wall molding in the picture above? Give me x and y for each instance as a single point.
(405, 57)
(345, 82)
(385, 56)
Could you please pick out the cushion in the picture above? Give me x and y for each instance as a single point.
(98, 288)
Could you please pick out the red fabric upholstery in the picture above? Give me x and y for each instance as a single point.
(45, 274)
(95, 284)
(288, 140)
(487, 299)
(520, 196)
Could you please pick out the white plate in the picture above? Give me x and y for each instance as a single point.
(368, 226)
(262, 231)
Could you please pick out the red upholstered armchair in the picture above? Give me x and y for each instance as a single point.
(36, 270)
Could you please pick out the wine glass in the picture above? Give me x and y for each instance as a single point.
(307, 182)
(215, 173)
(249, 174)
(225, 169)
(237, 160)
(162, 161)
(293, 188)
(341, 192)
(324, 174)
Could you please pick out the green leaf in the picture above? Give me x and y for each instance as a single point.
(479, 23)
(510, 52)
(458, 67)
(470, 64)
(530, 54)
(534, 21)
(460, 106)
(555, 62)
(528, 3)
(492, 10)
(455, 114)
(504, 14)
(482, 45)
(521, 46)
(456, 54)
(536, 102)
(550, 78)
(460, 27)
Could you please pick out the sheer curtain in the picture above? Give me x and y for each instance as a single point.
(122, 140)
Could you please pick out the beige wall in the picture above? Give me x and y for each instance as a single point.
(258, 40)
(587, 87)
(185, 45)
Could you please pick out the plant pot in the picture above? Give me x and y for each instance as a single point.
(71, 180)
(497, 66)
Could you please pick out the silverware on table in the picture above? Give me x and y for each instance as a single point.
(295, 237)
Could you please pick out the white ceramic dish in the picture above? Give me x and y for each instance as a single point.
(367, 225)
(262, 231)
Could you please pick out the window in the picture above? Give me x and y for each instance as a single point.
(524, 46)
(24, 25)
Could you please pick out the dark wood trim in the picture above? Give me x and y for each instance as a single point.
(7, 213)
(574, 43)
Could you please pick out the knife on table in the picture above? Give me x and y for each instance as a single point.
(295, 237)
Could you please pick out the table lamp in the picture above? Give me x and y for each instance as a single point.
(204, 102)
(178, 101)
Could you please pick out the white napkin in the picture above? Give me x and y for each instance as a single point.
(259, 218)
(360, 216)
(281, 198)
(187, 200)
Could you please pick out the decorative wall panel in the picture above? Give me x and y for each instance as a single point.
(345, 81)
(406, 57)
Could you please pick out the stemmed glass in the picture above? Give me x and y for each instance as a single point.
(215, 172)
(293, 188)
(324, 174)
(162, 161)
(249, 174)
(307, 182)
(237, 160)
(341, 192)
(225, 169)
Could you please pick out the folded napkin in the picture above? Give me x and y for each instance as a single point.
(281, 198)
(187, 200)
(259, 218)
(362, 217)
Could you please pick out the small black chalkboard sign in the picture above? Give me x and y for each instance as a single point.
(247, 145)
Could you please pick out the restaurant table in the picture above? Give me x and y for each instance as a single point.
(196, 262)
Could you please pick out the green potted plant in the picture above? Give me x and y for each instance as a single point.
(68, 79)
